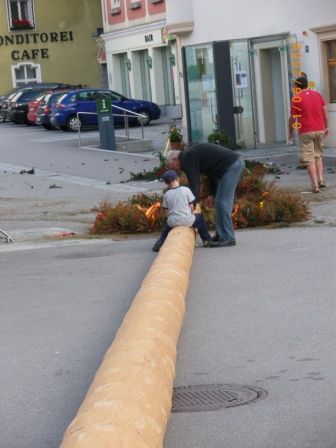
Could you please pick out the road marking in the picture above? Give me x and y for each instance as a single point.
(83, 181)
(15, 247)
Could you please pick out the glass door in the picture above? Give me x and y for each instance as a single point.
(242, 94)
(124, 74)
(201, 91)
(145, 65)
(168, 75)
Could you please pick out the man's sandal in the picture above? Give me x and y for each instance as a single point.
(322, 184)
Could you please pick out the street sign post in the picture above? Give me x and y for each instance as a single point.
(105, 123)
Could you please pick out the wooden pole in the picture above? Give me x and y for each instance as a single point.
(129, 401)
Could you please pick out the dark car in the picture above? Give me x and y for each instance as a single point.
(44, 110)
(84, 101)
(16, 106)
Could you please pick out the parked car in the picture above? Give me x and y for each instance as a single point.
(16, 105)
(64, 111)
(44, 109)
(33, 107)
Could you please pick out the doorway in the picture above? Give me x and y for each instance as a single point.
(145, 66)
(271, 91)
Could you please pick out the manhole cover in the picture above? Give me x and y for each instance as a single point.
(211, 397)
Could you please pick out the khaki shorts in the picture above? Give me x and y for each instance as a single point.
(311, 147)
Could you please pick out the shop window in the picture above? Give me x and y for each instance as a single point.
(331, 61)
(21, 14)
(25, 73)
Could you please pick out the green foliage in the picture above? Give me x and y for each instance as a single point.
(154, 174)
(221, 138)
(175, 135)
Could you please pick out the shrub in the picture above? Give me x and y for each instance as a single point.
(258, 203)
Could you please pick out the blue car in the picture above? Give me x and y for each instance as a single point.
(64, 110)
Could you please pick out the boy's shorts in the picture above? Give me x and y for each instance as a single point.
(311, 147)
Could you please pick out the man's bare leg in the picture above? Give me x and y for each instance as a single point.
(312, 173)
(319, 169)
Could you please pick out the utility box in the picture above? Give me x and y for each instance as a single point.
(105, 123)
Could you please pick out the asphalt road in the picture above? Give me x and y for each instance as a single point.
(260, 314)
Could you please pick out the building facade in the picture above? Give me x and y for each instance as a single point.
(240, 60)
(142, 61)
(43, 40)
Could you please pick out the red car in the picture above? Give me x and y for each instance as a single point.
(33, 108)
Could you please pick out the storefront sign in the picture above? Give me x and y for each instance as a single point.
(149, 38)
(34, 38)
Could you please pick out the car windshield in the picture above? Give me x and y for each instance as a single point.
(117, 97)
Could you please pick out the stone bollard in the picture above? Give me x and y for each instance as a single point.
(129, 402)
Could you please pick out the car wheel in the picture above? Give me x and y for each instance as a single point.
(2, 118)
(145, 121)
(73, 123)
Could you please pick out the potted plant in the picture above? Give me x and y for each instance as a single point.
(175, 137)
(221, 138)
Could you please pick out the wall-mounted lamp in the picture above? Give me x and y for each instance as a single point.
(172, 59)
(128, 64)
(149, 61)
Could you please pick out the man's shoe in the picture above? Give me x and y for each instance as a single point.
(214, 238)
(224, 243)
(156, 247)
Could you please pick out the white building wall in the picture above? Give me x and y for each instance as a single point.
(217, 20)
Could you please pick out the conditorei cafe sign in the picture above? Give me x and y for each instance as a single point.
(34, 38)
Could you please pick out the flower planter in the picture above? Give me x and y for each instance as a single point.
(21, 27)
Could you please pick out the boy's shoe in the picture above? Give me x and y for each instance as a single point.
(207, 243)
(156, 247)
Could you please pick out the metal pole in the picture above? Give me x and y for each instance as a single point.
(127, 122)
(79, 134)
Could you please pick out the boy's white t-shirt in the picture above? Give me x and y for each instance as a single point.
(177, 200)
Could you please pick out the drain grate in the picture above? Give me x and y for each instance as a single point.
(212, 397)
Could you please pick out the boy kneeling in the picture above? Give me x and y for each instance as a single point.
(178, 200)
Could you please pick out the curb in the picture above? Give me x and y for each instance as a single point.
(130, 399)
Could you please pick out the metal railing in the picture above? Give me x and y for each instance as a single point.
(126, 116)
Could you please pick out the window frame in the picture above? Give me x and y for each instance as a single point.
(27, 19)
(324, 34)
(329, 63)
(37, 67)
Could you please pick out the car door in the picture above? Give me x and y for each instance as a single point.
(86, 105)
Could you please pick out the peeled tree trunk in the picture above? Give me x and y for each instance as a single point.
(129, 402)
